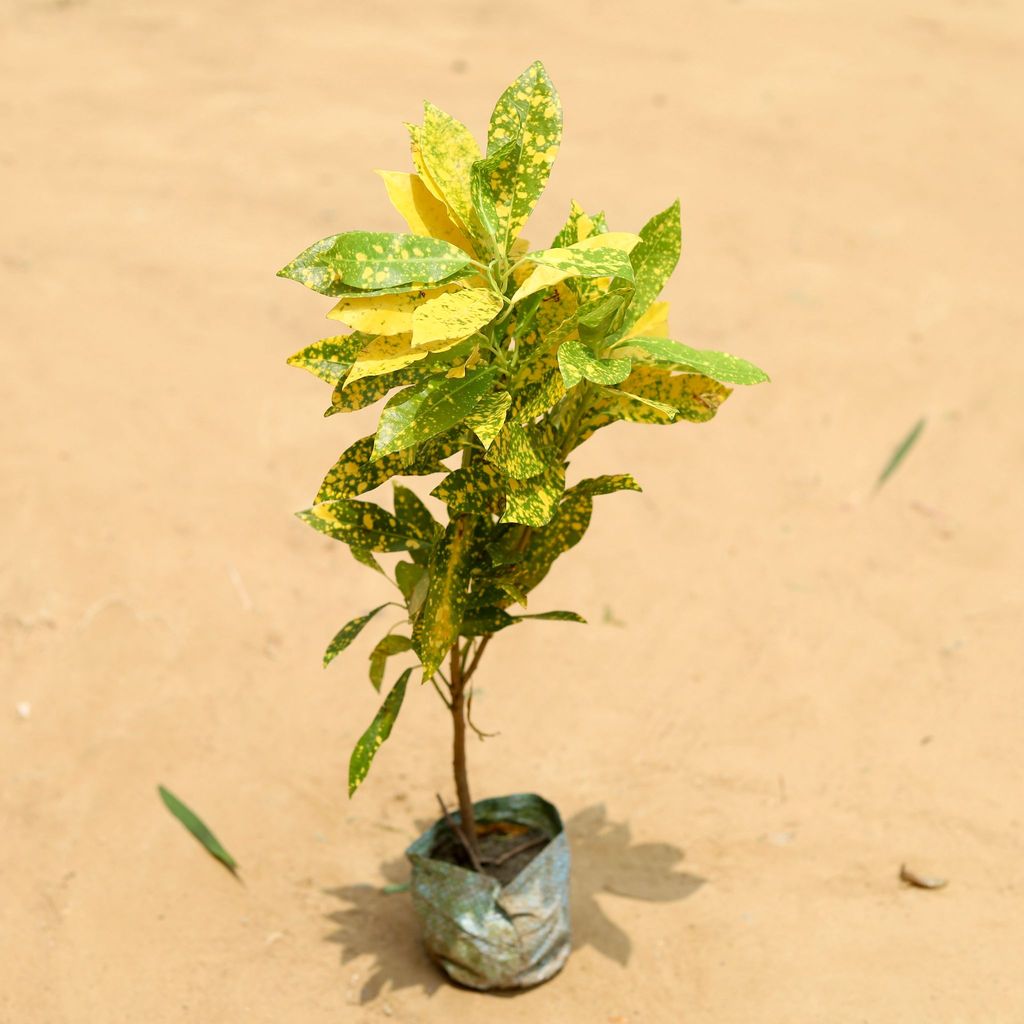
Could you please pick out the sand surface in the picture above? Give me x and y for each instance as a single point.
(790, 684)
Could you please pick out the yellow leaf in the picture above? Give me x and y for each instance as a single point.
(423, 212)
(454, 316)
(653, 323)
(391, 352)
(624, 241)
(381, 314)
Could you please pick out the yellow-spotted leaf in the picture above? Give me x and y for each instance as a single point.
(654, 260)
(478, 489)
(352, 396)
(372, 260)
(578, 227)
(517, 453)
(526, 128)
(454, 316)
(536, 399)
(363, 525)
(448, 151)
(451, 564)
(718, 366)
(387, 647)
(690, 396)
(428, 409)
(330, 358)
(489, 416)
(604, 255)
(354, 474)
(577, 363)
(344, 637)
(382, 314)
(533, 502)
(423, 211)
(380, 729)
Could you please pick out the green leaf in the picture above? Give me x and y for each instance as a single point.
(718, 366)
(534, 400)
(523, 137)
(439, 623)
(533, 502)
(518, 453)
(330, 358)
(374, 260)
(380, 729)
(386, 647)
(363, 525)
(366, 558)
(481, 621)
(424, 411)
(348, 633)
(478, 489)
(408, 576)
(488, 417)
(601, 256)
(355, 474)
(654, 260)
(607, 484)
(554, 617)
(491, 184)
(198, 828)
(577, 363)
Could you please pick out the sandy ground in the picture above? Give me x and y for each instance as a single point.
(791, 684)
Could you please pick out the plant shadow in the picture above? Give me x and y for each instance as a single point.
(373, 923)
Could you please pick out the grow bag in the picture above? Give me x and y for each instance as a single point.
(487, 935)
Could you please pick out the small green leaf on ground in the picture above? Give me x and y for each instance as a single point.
(198, 828)
(901, 452)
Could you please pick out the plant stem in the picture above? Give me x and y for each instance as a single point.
(458, 709)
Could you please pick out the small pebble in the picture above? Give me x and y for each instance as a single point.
(24, 709)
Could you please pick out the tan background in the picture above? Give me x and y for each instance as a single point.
(798, 683)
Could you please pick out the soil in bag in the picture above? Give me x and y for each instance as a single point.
(506, 847)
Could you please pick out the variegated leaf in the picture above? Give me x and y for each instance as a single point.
(366, 558)
(654, 260)
(690, 396)
(718, 366)
(533, 502)
(355, 474)
(348, 633)
(478, 489)
(438, 625)
(448, 151)
(653, 324)
(515, 452)
(579, 226)
(387, 647)
(522, 142)
(487, 419)
(410, 509)
(423, 212)
(536, 399)
(390, 352)
(380, 729)
(604, 255)
(358, 394)
(428, 409)
(363, 525)
(374, 260)
(454, 316)
(330, 358)
(382, 314)
(577, 363)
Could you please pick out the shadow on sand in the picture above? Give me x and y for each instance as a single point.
(604, 860)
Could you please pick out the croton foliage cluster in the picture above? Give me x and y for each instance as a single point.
(500, 360)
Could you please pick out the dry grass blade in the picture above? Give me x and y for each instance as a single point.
(901, 452)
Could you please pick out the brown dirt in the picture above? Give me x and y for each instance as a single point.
(800, 683)
(504, 852)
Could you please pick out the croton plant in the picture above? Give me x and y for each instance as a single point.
(500, 360)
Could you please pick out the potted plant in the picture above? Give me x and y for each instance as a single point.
(499, 361)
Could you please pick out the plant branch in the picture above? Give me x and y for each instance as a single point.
(474, 857)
